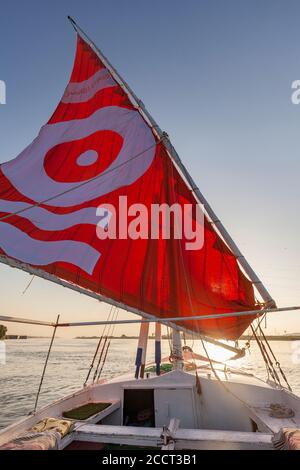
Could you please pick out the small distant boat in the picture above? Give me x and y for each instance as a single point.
(100, 145)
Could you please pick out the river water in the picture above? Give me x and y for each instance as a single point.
(22, 364)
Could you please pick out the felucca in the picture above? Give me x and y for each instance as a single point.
(56, 201)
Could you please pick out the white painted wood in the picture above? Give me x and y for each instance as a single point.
(174, 425)
(170, 446)
(125, 435)
(204, 439)
(220, 409)
(267, 423)
(174, 403)
(184, 438)
(172, 428)
(65, 441)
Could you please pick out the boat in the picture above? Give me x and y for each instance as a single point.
(100, 149)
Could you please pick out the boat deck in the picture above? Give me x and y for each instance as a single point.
(152, 437)
(230, 413)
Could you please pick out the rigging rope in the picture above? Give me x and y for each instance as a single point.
(259, 321)
(104, 360)
(111, 332)
(100, 359)
(29, 284)
(115, 312)
(201, 339)
(275, 359)
(169, 339)
(93, 360)
(97, 348)
(266, 359)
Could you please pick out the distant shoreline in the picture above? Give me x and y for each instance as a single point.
(289, 337)
(9, 337)
(115, 337)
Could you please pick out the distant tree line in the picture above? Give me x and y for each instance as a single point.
(3, 331)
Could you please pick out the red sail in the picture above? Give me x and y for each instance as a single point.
(95, 148)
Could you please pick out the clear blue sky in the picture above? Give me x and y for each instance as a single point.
(216, 76)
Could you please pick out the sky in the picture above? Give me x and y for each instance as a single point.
(217, 77)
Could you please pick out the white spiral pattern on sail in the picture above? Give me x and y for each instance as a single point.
(85, 90)
(29, 250)
(28, 175)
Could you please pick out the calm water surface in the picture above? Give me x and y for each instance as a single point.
(70, 360)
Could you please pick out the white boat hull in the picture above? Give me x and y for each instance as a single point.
(230, 413)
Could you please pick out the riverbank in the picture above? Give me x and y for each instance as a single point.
(288, 337)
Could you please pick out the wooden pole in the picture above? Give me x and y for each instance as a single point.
(157, 347)
(141, 351)
(152, 319)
